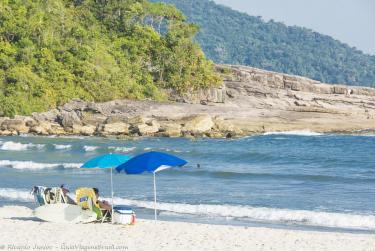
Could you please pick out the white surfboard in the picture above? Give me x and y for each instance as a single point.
(64, 213)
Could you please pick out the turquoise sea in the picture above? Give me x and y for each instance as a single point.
(300, 180)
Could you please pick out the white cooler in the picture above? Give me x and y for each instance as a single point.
(123, 215)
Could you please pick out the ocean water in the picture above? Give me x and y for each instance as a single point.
(294, 179)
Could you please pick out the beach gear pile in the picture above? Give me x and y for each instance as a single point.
(56, 206)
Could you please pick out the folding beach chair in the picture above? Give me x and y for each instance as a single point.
(86, 198)
(48, 195)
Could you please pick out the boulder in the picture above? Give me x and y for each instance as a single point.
(226, 128)
(68, 119)
(198, 124)
(7, 133)
(42, 128)
(49, 116)
(117, 128)
(93, 108)
(117, 118)
(137, 120)
(38, 129)
(171, 130)
(93, 119)
(74, 105)
(86, 130)
(56, 129)
(222, 125)
(47, 128)
(18, 125)
(30, 123)
(216, 134)
(148, 129)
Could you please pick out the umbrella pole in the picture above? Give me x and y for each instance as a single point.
(155, 197)
(111, 196)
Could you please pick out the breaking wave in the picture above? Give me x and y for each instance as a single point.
(298, 133)
(90, 148)
(62, 147)
(16, 146)
(275, 215)
(16, 194)
(22, 165)
(121, 149)
(302, 217)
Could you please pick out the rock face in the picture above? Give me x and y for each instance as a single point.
(250, 101)
(211, 95)
(274, 80)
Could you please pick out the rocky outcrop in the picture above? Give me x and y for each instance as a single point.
(274, 80)
(17, 125)
(250, 101)
(198, 125)
(86, 130)
(114, 128)
(170, 129)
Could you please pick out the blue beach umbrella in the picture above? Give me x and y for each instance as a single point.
(151, 162)
(107, 161)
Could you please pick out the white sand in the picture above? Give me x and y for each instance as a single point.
(18, 231)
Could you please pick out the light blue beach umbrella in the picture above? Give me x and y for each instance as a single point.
(151, 162)
(107, 161)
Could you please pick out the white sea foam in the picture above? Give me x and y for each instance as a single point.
(16, 194)
(16, 146)
(71, 165)
(90, 148)
(304, 217)
(35, 166)
(64, 137)
(173, 150)
(299, 133)
(62, 147)
(121, 149)
(147, 149)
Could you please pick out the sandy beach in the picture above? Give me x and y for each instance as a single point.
(20, 231)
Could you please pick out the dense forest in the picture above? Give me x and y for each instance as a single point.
(97, 50)
(228, 36)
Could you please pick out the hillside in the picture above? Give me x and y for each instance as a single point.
(231, 37)
(251, 101)
(54, 51)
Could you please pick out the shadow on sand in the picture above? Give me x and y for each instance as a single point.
(26, 219)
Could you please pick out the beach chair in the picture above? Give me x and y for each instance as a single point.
(48, 195)
(38, 193)
(86, 198)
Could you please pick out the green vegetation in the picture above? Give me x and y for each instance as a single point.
(231, 37)
(97, 50)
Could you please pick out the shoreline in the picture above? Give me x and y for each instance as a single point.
(274, 218)
(23, 231)
(307, 133)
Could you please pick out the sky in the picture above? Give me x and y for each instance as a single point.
(350, 21)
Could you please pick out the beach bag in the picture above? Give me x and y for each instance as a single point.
(86, 198)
